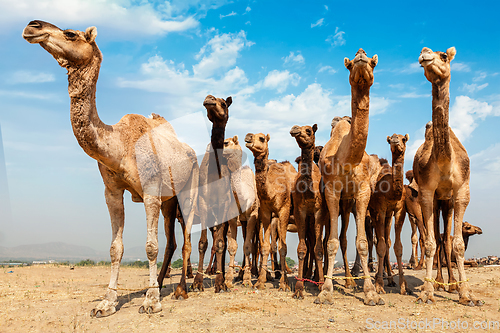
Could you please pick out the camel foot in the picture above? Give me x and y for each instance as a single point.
(229, 280)
(372, 298)
(220, 286)
(189, 273)
(106, 307)
(466, 298)
(284, 285)
(198, 283)
(419, 267)
(254, 271)
(355, 270)
(269, 277)
(299, 287)
(324, 297)
(180, 291)
(260, 285)
(152, 302)
(247, 278)
(391, 283)
(379, 285)
(350, 284)
(239, 277)
(453, 289)
(437, 286)
(426, 297)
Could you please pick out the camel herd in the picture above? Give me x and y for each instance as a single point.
(144, 157)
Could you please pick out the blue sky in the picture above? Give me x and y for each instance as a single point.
(281, 61)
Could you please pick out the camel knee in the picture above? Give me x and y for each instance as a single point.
(458, 247)
(116, 251)
(232, 248)
(318, 250)
(247, 248)
(332, 246)
(430, 248)
(301, 250)
(202, 245)
(362, 246)
(152, 249)
(283, 250)
(186, 248)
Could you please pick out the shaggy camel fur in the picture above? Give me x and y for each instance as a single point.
(386, 202)
(414, 211)
(274, 186)
(247, 204)
(138, 154)
(441, 169)
(215, 196)
(345, 169)
(309, 204)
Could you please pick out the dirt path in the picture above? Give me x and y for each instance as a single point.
(57, 299)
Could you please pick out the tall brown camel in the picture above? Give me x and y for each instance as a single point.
(246, 209)
(274, 185)
(414, 211)
(441, 169)
(344, 165)
(215, 195)
(308, 204)
(138, 154)
(387, 201)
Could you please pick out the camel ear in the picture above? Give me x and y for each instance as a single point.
(90, 34)
(229, 101)
(315, 128)
(388, 139)
(451, 52)
(374, 61)
(235, 139)
(407, 137)
(268, 137)
(347, 63)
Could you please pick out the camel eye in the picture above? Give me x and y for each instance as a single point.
(226, 144)
(223, 105)
(69, 34)
(444, 56)
(261, 139)
(308, 131)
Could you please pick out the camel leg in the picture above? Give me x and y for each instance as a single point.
(168, 209)
(414, 242)
(398, 249)
(248, 247)
(265, 248)
(345, 211)
(362, 198)
(219, 245)
(284, 215)
(274, 248)
(318, 244)
(426, 199)
(189, 272)
(256, 246)
(369, 237)
(461, 201)
(448, 220)
(439, 247)
(300, 221)
(378, 219)
(152, 204)
(202, 248)
(422, 251)
(232, 247)
(387, 231)
(244, 231)
(114, 201)
(332, 198)
(308, 270)
(325, 242)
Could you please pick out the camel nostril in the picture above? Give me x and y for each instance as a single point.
(34, 24)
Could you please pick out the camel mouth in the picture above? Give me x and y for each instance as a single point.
(209, 103)
(295, 131)
(33, 39)
(249, 144)
(361, 59)
(425, 59)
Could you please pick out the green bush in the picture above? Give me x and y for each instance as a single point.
(177, 264)
(86, 262)
(290, 262)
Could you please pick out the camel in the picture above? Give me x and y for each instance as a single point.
(138, 154)
(441, 168)
(386, 202)
(344, 165)
(215, 194)
(309, 205)
(274, 185)
(414, 211)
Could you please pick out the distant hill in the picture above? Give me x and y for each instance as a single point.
(67, 252)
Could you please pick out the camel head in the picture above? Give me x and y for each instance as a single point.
(469, 229)
(436, 64)
(232, 153)
(304, 135)
(71, 48)
(398, 143)
(361, 69)
(257, 143)
(217, 109)
(409, 175)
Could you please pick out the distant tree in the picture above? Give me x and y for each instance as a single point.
(177, 264)
(290, 262)
(86, 262)
(104, 263)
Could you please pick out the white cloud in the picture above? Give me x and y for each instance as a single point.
(416, 140)
(465, 113)
(379, 105)
(280, 80)
(128, 18)
(31, 77)
(293, 59)
(480, 76)
(248, 9)
(414, 67)
(485, 168)
(415, 95)
(326, 7)
(230, 14)
(337, 39)
(460, 67)
(328, 69)
(473, 87)
(318, 23)
(398, 86)
(220, 53)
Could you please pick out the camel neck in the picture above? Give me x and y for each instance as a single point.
(217, 140)
(261, 172)
(305, 171)
(440, 118)
(87, 126)
(398, 159)
(360, 104)
(466, 241)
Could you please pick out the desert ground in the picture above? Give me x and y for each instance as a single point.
(52, 298)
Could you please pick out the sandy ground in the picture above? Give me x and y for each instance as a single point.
(56, 299)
